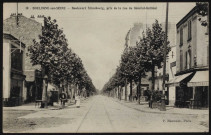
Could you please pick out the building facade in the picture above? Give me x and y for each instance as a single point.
(192, 67)
(26, 30)
(13, 70)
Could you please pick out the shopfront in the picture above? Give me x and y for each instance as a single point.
(191, 89)
(200, 86)
(16, 90)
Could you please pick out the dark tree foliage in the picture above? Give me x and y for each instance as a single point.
(137, 60)
(58, 61)
(202, 10)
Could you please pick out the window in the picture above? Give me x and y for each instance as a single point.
(189, 31)
(188, 59)
(181, 60)
(181, 36)
(16, 59)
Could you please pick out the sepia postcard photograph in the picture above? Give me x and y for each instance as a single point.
(100, 67)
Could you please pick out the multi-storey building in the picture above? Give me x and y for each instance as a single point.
(192, 67)
(13, 70)
(26, 30)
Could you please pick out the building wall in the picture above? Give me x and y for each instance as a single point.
(198, 44)
(123, 93)
(202, 49)
(178, 51)
(172, 95)
(6, 69)
(172, 58)
(27, 30)
(172, 72)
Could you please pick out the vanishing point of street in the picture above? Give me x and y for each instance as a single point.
(99, 114)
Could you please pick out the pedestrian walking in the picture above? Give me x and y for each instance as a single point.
(78, 100)
(63, 98)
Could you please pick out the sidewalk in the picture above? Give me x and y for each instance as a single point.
(31, 106)
(144, 107)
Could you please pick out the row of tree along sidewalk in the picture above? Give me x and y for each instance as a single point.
(59, 64)
(137, 60)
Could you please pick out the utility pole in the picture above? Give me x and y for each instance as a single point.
(163, 105)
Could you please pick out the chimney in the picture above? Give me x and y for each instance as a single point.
(19, 14)
(40, 19)
(13, 15)
(32, 17)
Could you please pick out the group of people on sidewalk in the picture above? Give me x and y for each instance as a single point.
(63, 99)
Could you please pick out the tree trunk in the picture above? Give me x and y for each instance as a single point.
(153, 84)
(44, 89)
(140, 91)
(153, 77)
(75, 90)
(118, 92)
(71, 90)
(126, 89)
(131, 89)
(68, 90)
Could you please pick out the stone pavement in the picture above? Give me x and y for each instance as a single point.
(144, 107)
(31, 106)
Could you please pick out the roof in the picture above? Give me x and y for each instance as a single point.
(22, 16)
(8, 36)
(188, 15)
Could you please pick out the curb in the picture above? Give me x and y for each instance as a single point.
(155, 112)
(57, 107)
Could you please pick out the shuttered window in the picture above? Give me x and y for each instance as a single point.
(181, 36)
(181, 60)
(189, 31)
(186, 60)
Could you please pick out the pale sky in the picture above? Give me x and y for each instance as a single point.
(98, 36)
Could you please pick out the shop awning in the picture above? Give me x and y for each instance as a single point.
(175, 81)
(201, 78)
